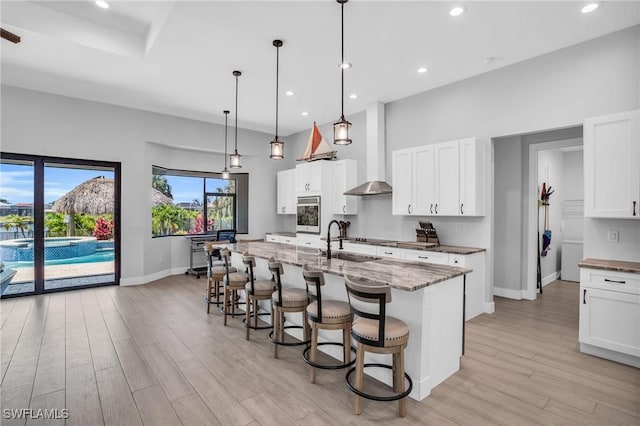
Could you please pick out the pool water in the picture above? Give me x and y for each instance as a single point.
(101, 255)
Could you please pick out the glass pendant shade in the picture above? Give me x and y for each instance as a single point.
(341, 132)
(225, 173)
(234, 160)
(277, 149)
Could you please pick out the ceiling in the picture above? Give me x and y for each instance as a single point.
(177, 57)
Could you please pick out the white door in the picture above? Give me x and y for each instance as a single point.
(315, 176)
(470, 179)
(423, 195)
(290, 187)
(302, 178)
(612, 166)
(402, 181)
(610, 320)
(344, 178)
(283, 192)
(447, 183)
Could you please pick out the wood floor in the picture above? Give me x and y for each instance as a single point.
(151, 355)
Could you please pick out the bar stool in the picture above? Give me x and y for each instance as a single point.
(286, 300)
(216, 271)
(325, 315)
(233, 282)
(377, 333)
(255, 291)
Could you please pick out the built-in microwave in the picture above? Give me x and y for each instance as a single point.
(308, 215)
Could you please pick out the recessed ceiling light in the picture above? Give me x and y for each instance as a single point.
(489, 60)
(305, 113)
(102, 4)
(422, 70)
(590, 7)
(457, 11)
(345, 65)
(288, 93)
(353, 96)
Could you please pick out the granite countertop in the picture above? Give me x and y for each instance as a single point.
(400, 274)
(611, 265)
(283, 234)
(413, 245)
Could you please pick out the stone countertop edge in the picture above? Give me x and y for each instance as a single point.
(611, 265)
(400, 274)
(282, 234)
(440, 249)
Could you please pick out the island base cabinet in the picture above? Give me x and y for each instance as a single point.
(610, 316)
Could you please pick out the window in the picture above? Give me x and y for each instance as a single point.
(183, 199)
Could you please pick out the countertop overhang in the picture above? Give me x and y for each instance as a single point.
(399, 274)
(611, 265)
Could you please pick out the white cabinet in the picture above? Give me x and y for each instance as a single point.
(444, 179)
(272, 238)
(388, 251)
(426, 256)
(402, 181)
(288, 240)
(345, 177)
(360, 248)
(309, 177)
(286, 196)
(610, 313)
(612, 166)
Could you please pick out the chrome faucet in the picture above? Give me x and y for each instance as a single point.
(329, 237)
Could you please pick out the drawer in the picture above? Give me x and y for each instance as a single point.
(388, 252)
(360, 248)
(272, 238)
(426, 256)
(610, 280)
(289, 240)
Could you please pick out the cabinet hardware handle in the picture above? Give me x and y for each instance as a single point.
(308, 243)
(455, 261)
(431, 208)
(423, 257)
(634, 208)
(607, 280)
(388, 252)
(344, 209)
(436, 208)
(584, 296)
(409, 209)
(461, 210)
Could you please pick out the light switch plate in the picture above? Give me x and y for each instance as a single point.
(612, 236)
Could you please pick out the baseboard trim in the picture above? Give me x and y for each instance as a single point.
(152, 277)
(550, 278)
(508, 293)
(490, 307)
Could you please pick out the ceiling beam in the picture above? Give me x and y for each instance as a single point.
(7, 35)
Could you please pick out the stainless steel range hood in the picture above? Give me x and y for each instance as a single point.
(375, 152)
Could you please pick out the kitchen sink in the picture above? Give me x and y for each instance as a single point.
(352, 257)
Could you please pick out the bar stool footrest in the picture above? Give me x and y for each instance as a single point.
(305, 356)
(206, 300)
(274, 341)
(237, 313)
(253, 327)
(395, 397)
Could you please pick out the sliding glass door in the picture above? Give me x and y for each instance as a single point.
(71, 218)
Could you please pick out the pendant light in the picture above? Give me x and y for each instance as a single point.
(234, 159)
(225, 172)
(342, 126)
(276, 145)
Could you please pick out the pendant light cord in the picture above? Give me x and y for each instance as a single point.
(236, 143)
(277, 79)
(342, 63)
(226, 116)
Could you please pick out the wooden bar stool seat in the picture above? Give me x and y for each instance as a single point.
(216, 273)
(326, 315)
(377, 333)
(286, 300)
(255, 290)
(233, 282)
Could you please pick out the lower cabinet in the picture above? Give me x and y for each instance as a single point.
(610, 314)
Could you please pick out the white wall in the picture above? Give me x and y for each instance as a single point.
(44, 124)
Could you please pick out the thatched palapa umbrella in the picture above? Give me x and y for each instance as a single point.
(95, 197)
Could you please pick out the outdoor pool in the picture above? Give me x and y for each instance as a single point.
(64, 250)
(101, 255)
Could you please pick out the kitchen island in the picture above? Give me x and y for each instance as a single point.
(428, 297)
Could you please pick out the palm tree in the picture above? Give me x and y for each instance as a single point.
(160, 183)
(19, 222)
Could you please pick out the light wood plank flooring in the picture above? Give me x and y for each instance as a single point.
(151, 355)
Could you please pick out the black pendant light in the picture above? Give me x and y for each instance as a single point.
(225, 172)
(342, 126)
(234, 159)
(276, 145)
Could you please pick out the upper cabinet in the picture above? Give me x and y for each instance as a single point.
(445, 179)
(612, 166)
(309, 178)
(286, 196)
(345, 177)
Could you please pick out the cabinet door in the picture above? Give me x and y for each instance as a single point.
(423, 185)
(344, 177)
(302, 178)
(472, 182)
(610, 320)
(401, 171)
(290, 186)
(447, 175)
(612, 166)
(315, 176)
(283, 192)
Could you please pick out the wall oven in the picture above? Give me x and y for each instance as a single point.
(308, 215)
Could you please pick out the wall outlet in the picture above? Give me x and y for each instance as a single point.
(612, 236)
